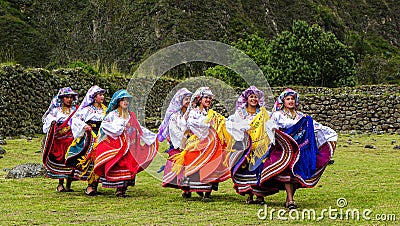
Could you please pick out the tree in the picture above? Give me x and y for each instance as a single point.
(309, 56)
(377, 69)
(305, 56)
(255, 47)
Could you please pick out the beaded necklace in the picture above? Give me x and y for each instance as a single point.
(66, 110)
(123, 113)
(290, 114)
(251, 112)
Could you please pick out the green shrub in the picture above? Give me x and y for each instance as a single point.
(305, 56)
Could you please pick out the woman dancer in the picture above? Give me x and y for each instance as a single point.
(85, 126)
(202, 162)
(120, 154)
(251, 141)
(175, 130)
(59, 137)
(311, 154)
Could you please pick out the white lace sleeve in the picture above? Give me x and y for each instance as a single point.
(236, 126)
(324, 134)
(270, 128)
(78, 123)
(47, 121)
(281, 121)
(113, 125)
(148, 137)
(197, 124)
(177, 128)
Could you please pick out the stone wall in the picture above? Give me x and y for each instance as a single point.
(345, 112)
(353, 112)
(363, 108)
(26, 93)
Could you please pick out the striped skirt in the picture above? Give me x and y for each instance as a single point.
(204, 164)
(117, 162)
(55, 147)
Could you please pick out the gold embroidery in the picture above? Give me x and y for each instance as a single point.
(64, 130)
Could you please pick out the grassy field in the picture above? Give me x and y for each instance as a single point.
(368, 180)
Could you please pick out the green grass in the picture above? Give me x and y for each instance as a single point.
(366, 178)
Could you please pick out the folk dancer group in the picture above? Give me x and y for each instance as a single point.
(261, 151)
(95, 143)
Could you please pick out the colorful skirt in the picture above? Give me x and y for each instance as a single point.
(204, 164)
(117, 161)
(57, 141)
(294, 159)
(249, 180)
(170, 178)
(80, 155)
(305, 162)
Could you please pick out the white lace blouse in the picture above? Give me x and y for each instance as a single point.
(239, 122)
(113, 126)
(57, 115)
(323, 133)
(177, 128)
(196, 123)
(88, 113)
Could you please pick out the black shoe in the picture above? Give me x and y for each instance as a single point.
(249, 200)
(91, 193)
(259, 200)
(201, 194)
(186, 195)
(330, 162)
(290, 205)
(60, 188)
(121, 194)
(207, 197)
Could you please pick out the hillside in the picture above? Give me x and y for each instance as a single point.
(119, 34)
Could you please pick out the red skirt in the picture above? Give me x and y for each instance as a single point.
(117, 161)
(58, 139)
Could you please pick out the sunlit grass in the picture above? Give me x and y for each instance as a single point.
(366, 178)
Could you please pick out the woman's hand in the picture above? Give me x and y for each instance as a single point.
(333, 144)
